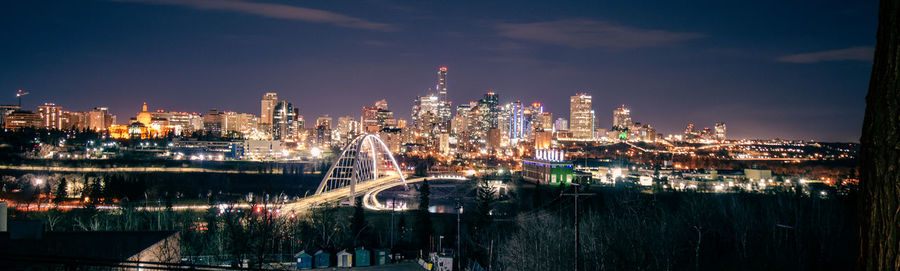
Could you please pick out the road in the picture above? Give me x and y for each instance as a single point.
(304, 204)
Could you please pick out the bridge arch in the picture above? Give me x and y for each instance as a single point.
(364, 159)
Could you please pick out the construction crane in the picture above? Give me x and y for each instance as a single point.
(19, 95)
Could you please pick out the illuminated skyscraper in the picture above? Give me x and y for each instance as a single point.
(542, 122)
(561, 124)
(442, 84)
(431, 104)
(444, 102)
(51, 116)
(369, 119)
(516, 121)
(99, 119)
(347, 128)
(324, 121)
(267, 107)
(381, 104)
(581, 117)
(489, 106)
(622, 118)
(720, 130)
(214, 122)
(242, 123)
(284, 118)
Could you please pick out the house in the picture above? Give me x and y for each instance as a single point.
(442, 262)
(344, 259)
(363, 257)
(322, 259)
(381, 256)
(304, 260)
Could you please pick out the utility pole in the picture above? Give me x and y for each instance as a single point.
(458, 251)
(577, 242)
(393, 203)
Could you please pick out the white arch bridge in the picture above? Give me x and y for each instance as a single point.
(365, 163)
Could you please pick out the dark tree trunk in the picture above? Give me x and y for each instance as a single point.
(879, 203)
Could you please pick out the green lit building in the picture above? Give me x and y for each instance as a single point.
(548, 167)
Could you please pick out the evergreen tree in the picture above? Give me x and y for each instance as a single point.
(423, 217)
(485, 197)
(95, 191)
(61, 193)
(358, 223)
(538, 199)
(421, 169)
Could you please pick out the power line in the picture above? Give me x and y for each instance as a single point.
(575, 197)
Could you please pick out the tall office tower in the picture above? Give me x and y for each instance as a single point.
(542, 122)
(300, 122)
(267, 107)
(442, 84)
(689, 130)
(532, 115)
(51, 116)
(369, 119)
(490, 108)
(622, 118)
(444, 103)
(381, 104)
(720, 130)
(416, 108)
(561, 124)
(464, 112)
(284, 117)
(430, 103)
(183, 122)
(347, 127)
(458, 124)
(581, 117)
(385, 119)
(243, 123)
(74, 120)
(516, 120)
(100, 119)
(214, 122)
(324, 121)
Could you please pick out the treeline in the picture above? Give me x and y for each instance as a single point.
(622, 230)
(135, 187)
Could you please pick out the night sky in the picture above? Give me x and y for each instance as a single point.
(786, 69)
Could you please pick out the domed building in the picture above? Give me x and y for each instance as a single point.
(144, 117)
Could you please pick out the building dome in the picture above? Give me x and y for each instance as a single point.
(144, 117)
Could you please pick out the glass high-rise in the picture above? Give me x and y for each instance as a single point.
(622, 118)
(267, 107)
(581, 117)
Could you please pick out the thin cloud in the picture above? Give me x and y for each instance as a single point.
(584, 33)
(376, 43)
(277, 11)
(853, 53)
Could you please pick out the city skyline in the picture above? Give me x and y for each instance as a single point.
(787, 77)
